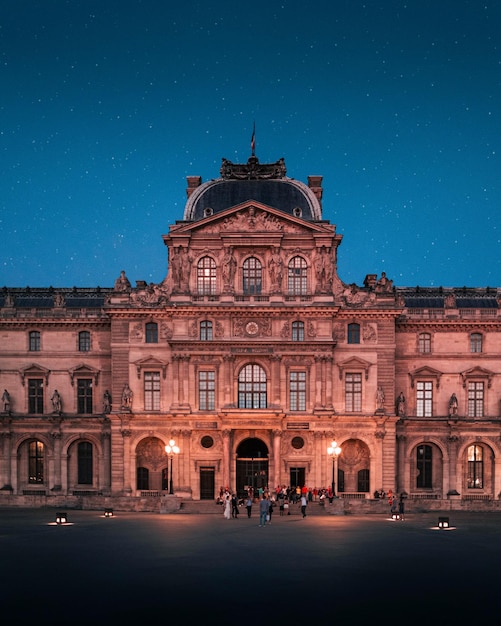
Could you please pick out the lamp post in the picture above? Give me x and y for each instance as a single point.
(334, 451)
(171, 450)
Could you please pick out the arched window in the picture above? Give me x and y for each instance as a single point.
(151, 332)
(353, 333)
(206, 276)
(363, 481)
(475, 467)
(205, 330)
(252, 276)
(424, 464)
(35, 462)
(297, 331)
(424, 343)
(297, 277)
(85, 463)
(142, 478)
(475, 342)
(84, 341)
(34, 341)
(252, 388)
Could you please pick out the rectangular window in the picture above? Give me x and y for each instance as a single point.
(151, 332)
(353, 333)
(475, 399)
(424, 343)
(84, 395)
(152, 391)
(476, 342)
(84, 341)
(34, 341)
(353, 393)
(206, 330)
(206, 391)
(297, 391)
(35, 396)
(424, 399)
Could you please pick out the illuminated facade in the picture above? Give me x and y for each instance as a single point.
(253, 355)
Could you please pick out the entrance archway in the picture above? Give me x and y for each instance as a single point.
(252, 466)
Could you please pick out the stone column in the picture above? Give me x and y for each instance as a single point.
(451, 481)
(56, 437)
(126, 435)
(106, 463)
(277, 457)
(5, 461)
(226, 458)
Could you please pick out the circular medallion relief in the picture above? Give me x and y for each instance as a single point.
(252, 328)
(297, 443)
(207, 441)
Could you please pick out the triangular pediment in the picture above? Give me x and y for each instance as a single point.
(83, 370)
(425, 372)
(477, 373)
(354, 363)
(251, 217)
(151, 363)
(34, 371)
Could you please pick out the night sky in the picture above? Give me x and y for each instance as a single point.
(107, 106)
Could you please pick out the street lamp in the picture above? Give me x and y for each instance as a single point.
(334, 451)
(171, 450)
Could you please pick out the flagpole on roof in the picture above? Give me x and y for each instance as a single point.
(253, 140)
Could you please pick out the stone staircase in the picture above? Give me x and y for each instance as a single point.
(210, 507)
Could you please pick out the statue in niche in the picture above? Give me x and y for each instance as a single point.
(6, 401)
(107, 402)
(401, 405)
(453, 405)
(229, 266)
(127, 397)
(57, 405)
(380, 398)
(276, 270)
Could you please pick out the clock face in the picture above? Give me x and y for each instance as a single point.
(252, 328)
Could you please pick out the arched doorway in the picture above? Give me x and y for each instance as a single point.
(151, 465)
(252, 466)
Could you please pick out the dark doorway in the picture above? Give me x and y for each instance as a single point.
(207, 478)
(252, 466)
(297, 476)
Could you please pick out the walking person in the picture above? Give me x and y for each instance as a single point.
(304, 503)
(248, 504)
(227, 507)
(264, 505)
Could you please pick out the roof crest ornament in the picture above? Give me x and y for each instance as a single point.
(253, 170)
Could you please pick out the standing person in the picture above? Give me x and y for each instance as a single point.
(401, 506)
(270, 510)
(282, 506)
(286, 506)
(234, 506)
(227, 507)
(304, 503)
(248, 504)
(264, 506)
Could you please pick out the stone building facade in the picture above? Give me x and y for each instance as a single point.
(253, 356)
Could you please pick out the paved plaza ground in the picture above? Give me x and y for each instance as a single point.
(142, 568)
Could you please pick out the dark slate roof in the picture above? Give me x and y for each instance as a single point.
(279, 194)
(476, 303)
(34, 302)
(83, 302)
(424, 303)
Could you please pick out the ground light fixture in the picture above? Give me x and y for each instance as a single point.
(334, 451)
(108, 512)
(171, 450)
(61, 518)
(443, 522)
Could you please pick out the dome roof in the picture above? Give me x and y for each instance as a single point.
(266, 184)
